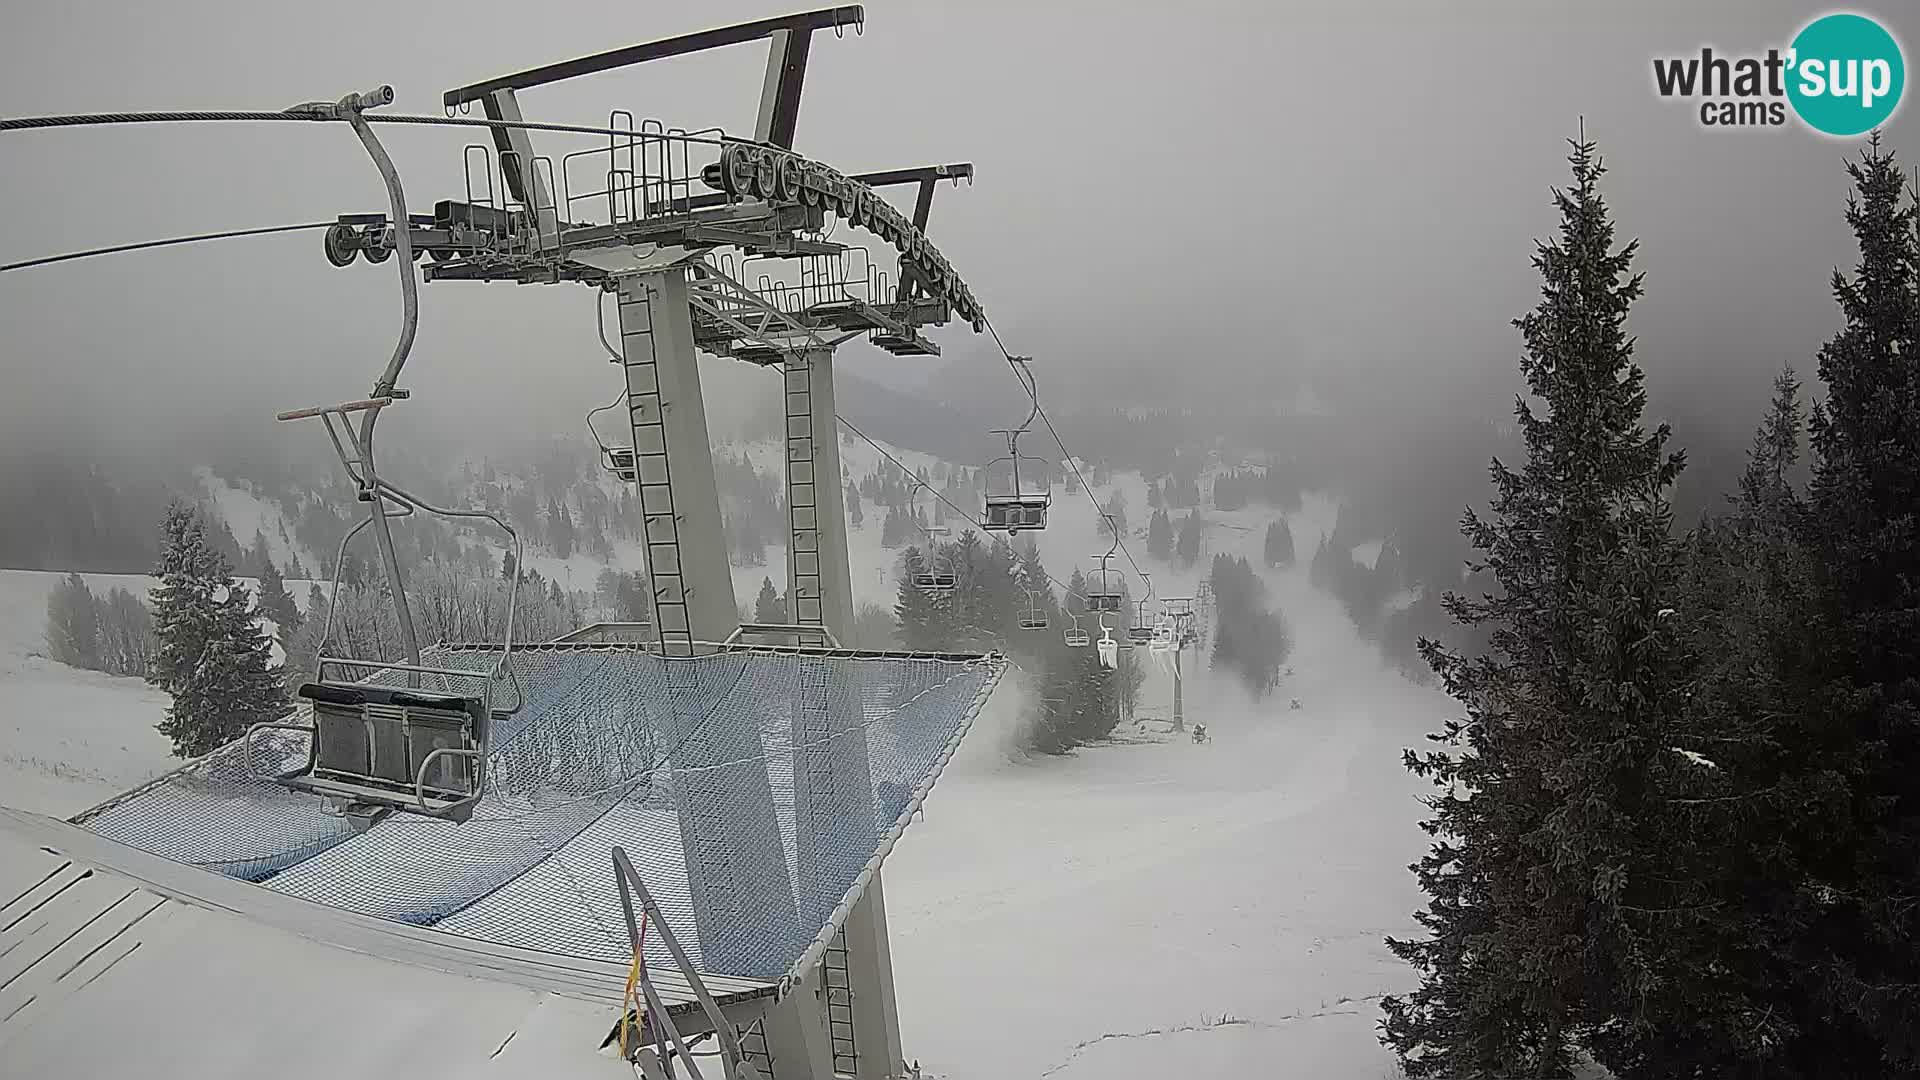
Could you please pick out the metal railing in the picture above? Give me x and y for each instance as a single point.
(667, 1042)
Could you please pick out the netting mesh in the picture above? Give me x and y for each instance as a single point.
(749, 788)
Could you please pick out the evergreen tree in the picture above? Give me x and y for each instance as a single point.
(767, 607)
(1389, 573)
(277, 604)
(258, 556)
(1077, 593)
(1546, 883)
(1160, 535)
(507, 565)
(212, 656)
(1859, 943)
(999, 598)
(1187, 549)
(855, 516)
(559, 529)
(296, 571)
(1278, 549)
(923, 619)
(1750, 615)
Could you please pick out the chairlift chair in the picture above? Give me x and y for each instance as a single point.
(1018, 508)
(1076, 636)
(1140, 633)
(1031, 616)
(1107, 648)
(937, 573)
(375, 749)
(618, 460)
(1160, 638)
(379, 746)
(1012, 513)
(936, 578)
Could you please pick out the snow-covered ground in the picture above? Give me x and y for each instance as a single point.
(68, 739)
(1151, 908)
(1167, 909)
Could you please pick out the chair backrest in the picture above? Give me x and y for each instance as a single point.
(381, 737)
(619, 460)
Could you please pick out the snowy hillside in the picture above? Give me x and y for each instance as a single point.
(68, 739)
(1148, 908)
(1167, 909)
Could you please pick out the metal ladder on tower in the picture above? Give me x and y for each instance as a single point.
(653, 474)
(803, 513)
(836, 987)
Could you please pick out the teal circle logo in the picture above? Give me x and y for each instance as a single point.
(1846, 74)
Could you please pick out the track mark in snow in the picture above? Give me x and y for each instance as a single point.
(1226, 1021)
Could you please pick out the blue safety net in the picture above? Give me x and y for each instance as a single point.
(750, 788)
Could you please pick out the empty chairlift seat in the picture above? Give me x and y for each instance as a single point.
(378, 747)
(1012, 513)
(619, 461)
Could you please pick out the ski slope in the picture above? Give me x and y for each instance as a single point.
(69, 739)
(1165, 909)
(1149, 908)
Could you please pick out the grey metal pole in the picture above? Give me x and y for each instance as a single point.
(350, 107)
(1179, 718)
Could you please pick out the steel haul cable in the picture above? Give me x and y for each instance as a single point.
(169, 242)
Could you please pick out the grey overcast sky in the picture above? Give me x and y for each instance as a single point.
(1208, 189)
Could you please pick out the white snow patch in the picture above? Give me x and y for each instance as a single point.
(246, 514)
(1368, 554)
(1697, 759)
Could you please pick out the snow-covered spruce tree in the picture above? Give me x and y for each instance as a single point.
(212, 657)
(277, 604)
(1544, 876)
